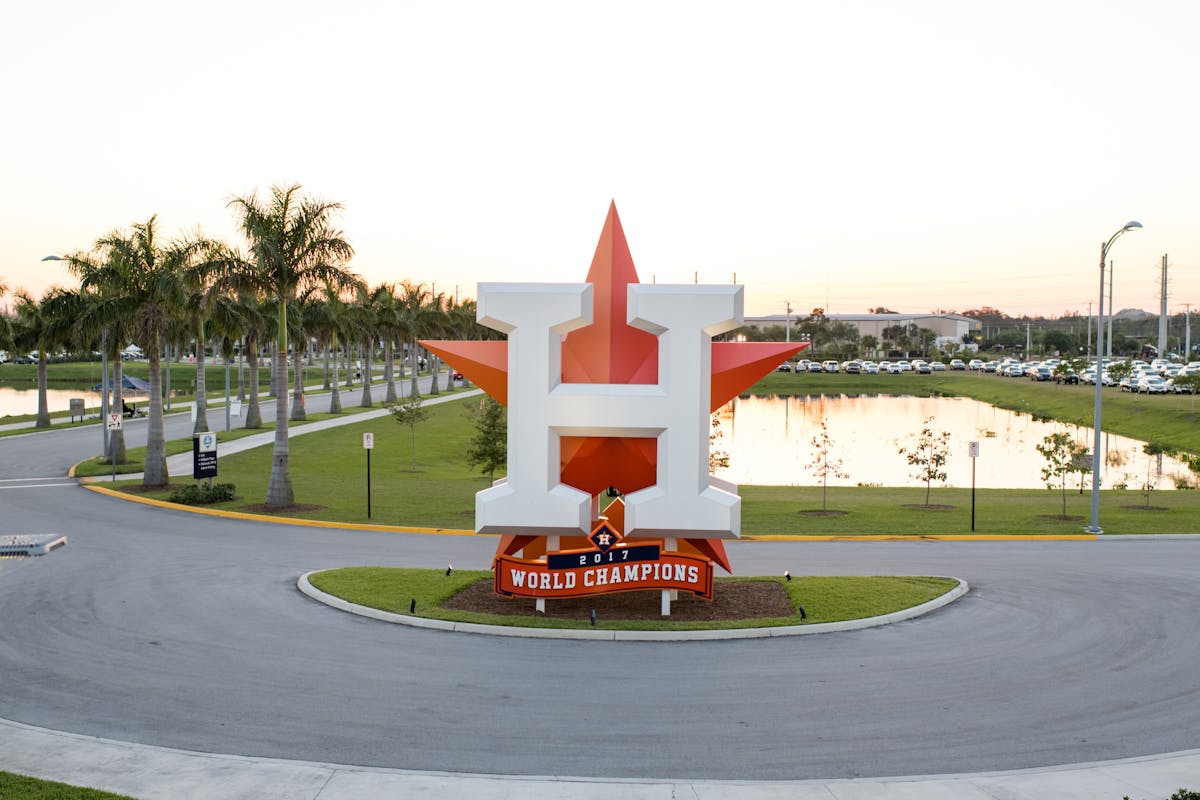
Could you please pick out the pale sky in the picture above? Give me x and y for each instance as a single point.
(917, 155)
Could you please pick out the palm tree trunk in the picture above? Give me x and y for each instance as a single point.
(155, 472)
(349, 372)
(298, 412)
(201, 425)
(389, 373)
(279, 490)
(335, 399)
(412, 387)
(435, 366)
(253, 411)
(241, 395)
(325, 349)
(366, 392)
(43, 415)
(116, 439)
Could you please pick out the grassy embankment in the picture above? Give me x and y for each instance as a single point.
(20, 787)
(825, 599)
(329, 471)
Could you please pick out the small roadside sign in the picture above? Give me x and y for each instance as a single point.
(973, 449)
(113, 422)
(368, 441)
(204, 456)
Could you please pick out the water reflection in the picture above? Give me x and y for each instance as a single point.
(769, 441)
(25, 401)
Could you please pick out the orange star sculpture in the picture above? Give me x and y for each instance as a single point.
(611, 351)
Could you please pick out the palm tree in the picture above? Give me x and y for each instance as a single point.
(142, 283)
(292, 245)
(330, 322)
(388, 324)
(85, 306)
(416, 320)
(42, 325)
(364, 322)
(435, 323)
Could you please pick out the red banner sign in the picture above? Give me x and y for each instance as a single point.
(601, 572)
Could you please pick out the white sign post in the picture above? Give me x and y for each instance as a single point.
(113, 423)
(973, 452)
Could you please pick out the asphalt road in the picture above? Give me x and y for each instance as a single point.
(186, 631)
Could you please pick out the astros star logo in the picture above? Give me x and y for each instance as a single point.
(616, 340)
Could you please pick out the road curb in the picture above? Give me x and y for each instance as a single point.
(306, 587)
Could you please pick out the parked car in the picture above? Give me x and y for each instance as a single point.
(1150, 384)
(923, 368)
(829, 366)
(814, 366)
(938, 366)
(784, 367)
(957, 363)
(1041, 374)
(1067, 377)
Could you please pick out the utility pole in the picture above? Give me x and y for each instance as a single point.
(1187, 332)
(787, 324)
(1162, 312)
(1089, 328)
(1108, 344)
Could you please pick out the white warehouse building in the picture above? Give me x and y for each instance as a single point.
(950, 328)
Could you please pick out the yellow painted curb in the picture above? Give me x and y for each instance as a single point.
(942, 537)
(362, 526)
(311, 523)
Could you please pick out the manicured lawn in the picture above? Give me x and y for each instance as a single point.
(887, 511)
(825, 599)
(20, 787)
(329, 469)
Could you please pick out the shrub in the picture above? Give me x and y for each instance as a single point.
(200, 494)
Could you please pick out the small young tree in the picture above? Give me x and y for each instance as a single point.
(1118, 371)
(488, 448)
(718, 458)
(1060, 452)
(928, 454)
(411, 414)
(1154, 453)
(825, 463)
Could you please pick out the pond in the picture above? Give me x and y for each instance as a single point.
(25, 401)
(769, 441)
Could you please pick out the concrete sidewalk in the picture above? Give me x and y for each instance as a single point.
(150, 773)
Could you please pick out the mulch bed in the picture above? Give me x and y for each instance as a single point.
(930, 507)
(731, 600)
(1060, 517)
(1146, 508)
(820, 513)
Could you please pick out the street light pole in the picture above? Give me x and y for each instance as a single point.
(1096, 460)
(787, 321)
